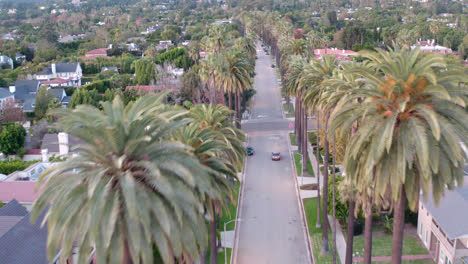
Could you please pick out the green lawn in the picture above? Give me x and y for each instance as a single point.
(297, 161)
(292, 139)
(382, 246)
(286, 109)
(310, 207)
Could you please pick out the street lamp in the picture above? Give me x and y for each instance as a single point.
(225, 224)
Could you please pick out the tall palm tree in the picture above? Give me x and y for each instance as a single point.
(219, 146)
(413, 109)
(235, 78)
(129, 177)
(315, 72)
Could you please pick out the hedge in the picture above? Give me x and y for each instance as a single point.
(8, 167)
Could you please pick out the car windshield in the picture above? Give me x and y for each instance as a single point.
(275, 153)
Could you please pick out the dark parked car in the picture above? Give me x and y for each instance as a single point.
(275, 156)
(250, 151)
(272, 65)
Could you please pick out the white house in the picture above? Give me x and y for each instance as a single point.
(69, 72)
(6, 60)
(5, 97)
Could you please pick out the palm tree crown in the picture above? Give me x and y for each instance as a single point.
(130, 186)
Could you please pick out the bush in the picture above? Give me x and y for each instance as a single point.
(341, 209)
(8, 167)
(411, 217)
(100, 86)
(12, 138)
(358, 227)
(388, 224)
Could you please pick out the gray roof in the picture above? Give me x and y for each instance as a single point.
(26, 91)
(10, 215)
(50, 142)
(452, 212)
(25, 243)
(58, 93)
(66, 99)
(13, 208)
(4, 93)
(60, 67)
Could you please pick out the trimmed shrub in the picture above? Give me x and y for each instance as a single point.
(8, 167)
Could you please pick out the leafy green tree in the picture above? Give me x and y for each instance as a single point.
(169, 35)
(44, 98)
(12, 138)
(133, 178)
(83, 96)
(145, 72)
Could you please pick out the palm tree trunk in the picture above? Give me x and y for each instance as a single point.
(333, 197)
(301, 124)
(350, 232)
(398, 228)
(350, 229)
(368, 232)
(304, 145)
(318, 224)
(238, 109)
(127, 256)
(202, 259)
(297, 122)
(213, 248)
(325, 246)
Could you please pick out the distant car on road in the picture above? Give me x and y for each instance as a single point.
(275, 156)
(272, 65)
(250, 151)
(267, 53)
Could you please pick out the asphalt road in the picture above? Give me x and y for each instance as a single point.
(271, 228)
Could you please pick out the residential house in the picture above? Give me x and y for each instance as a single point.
(19, 57)
(25, 92)
(429, 46)
(103, 69)
(65, 71)
(60, 144)
(21, 185)
(23, 242)
(339, 54)
(5, 96)
(133, 47)
(164, 44)
(5, 60)
(443, 228)
(68, 38)
(97, 53)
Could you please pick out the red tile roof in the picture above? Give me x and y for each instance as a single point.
(23, 191)
(97, 52)
(57, 81)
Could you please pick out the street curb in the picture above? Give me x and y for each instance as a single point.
(238, 210)
(301, 204)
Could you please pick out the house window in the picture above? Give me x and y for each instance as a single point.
(442, 256)
(420, 230)
(426, 237)
(446, 260)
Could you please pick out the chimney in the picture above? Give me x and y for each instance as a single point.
(54, 68)
(45, 157)
(63, 143)
(12, 88)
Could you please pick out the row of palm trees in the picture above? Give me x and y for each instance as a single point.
(403, 112)
(228, 67)
(147, 179)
